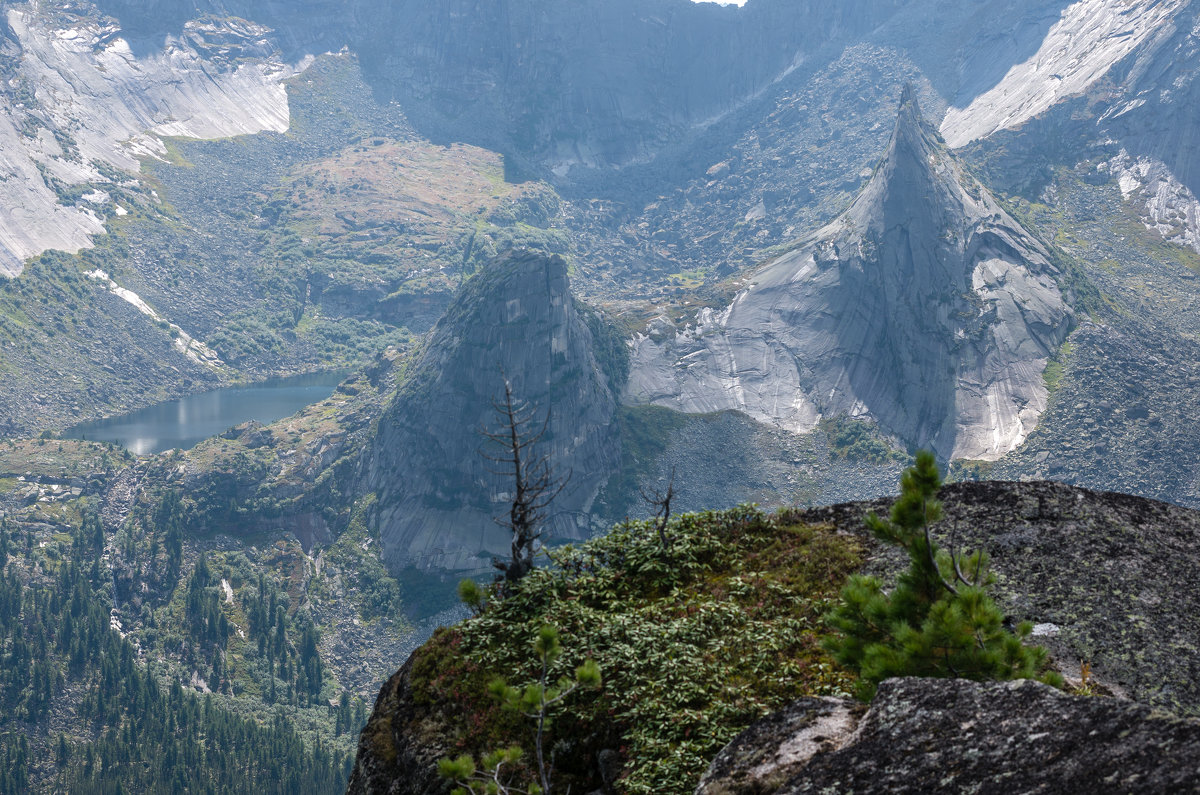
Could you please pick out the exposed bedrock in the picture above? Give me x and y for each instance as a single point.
(1157, 110)
(952, 736)
(924, 306)
(437, 492)
(78, 106)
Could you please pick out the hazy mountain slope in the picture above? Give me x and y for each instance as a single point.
(922, 270)
(79, 107)
(756, 180)
(1125, 384)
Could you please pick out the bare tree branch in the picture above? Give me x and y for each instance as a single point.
(661, 503)
(534, 485)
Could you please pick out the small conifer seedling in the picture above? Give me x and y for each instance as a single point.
(938, 620)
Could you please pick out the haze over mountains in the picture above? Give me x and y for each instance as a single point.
(772, 249)
(668, 148)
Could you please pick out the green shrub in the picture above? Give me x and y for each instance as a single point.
(859, 441)
(695, 642)
(938, 620)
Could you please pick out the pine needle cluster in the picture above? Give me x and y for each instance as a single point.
(938, 620)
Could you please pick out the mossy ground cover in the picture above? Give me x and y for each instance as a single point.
(859, 441)
(694, 642)
(59, 458)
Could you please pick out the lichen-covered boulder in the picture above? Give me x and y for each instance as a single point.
(954, 736)
(398, 749)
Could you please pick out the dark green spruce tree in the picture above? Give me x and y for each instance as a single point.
(938, 620)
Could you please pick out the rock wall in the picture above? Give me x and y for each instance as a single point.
(437, 491)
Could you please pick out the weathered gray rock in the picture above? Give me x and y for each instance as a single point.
(925, 306)
(1109, 578)
(953, 736)
(763, 757)
(438, 494)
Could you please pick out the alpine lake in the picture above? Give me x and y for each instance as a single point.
(187, 421)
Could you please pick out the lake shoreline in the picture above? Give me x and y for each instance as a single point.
(182, 423)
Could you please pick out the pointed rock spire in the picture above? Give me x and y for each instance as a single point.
(923, 306)
(434, 487)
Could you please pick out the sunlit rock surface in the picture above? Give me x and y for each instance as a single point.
(924, 305)
(81, 107)
(1088, 39)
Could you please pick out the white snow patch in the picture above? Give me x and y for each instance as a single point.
(187, 345)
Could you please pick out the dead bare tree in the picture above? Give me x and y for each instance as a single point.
(661, 503)
(534, 484)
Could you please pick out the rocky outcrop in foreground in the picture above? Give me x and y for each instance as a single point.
(947, 735)
(1107, 579)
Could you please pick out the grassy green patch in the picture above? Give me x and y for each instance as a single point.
(969, 469)
(1053, 374)
(859, 441)
(694, 642)
(375, 593)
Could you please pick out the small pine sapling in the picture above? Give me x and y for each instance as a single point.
(473, 596)
(534, 701)
(488, 777)
(938, 620)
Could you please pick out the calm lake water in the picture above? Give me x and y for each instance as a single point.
(183, 423)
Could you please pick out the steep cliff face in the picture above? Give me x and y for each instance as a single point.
(587, 85)
(1085, 41)
(1106, 75)
(570, 86)
(437, 492)
(79, 107)
(1155, 114)
(924, 305)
